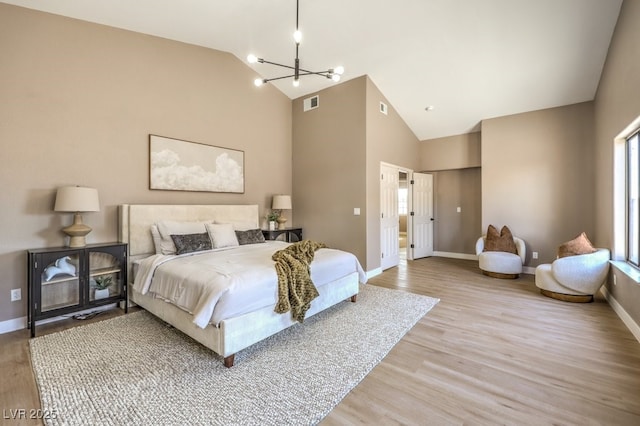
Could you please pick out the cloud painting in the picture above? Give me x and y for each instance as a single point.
(187, 166)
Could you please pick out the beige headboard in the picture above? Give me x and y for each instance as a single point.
(135, 220)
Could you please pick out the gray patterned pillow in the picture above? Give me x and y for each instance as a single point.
(252, 236)
(189, 243)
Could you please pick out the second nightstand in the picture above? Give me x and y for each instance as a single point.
(288, 233)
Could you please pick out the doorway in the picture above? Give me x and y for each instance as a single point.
(406, 220)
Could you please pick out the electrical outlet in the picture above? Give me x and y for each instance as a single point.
(535, 255)
(16, 294)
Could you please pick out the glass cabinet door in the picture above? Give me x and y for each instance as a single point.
(105, 275)
(60, 282)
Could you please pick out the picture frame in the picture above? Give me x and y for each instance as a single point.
(180, 165)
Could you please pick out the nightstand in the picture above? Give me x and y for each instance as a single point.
(63, 280)
(290, 234)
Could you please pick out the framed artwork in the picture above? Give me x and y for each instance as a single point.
(178, 165)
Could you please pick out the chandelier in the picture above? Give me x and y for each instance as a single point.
(332, 73)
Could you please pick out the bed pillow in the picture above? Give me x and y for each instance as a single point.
(251, 236)
(189, 243)
(502, 241)
(157, 239)
(167, 228)
(222, 235)
(579, 245)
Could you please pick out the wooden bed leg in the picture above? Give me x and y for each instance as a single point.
(228, 360)
(353, 298)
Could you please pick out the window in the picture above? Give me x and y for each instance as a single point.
(402, 200)
(633, 199)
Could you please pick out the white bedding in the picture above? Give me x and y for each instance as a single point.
(218, 284)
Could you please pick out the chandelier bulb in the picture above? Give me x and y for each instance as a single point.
(297, 36)
(296, 82)
(335, 77)
(339, 70)
(258, 82)
(252, 59)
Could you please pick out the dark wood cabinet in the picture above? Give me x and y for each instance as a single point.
(63, 280)
(289, 235)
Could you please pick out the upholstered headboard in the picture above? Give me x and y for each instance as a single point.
(135, 220)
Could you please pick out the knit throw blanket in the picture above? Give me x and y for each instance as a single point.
(295, 288)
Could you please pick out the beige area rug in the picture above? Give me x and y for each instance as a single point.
(135, 370)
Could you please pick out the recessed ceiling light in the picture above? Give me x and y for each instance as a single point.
(429, 108)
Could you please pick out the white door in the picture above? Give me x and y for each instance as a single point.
(422, 208)
(389, 216)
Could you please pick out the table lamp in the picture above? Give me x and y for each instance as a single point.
(279, 203)
(77, 199)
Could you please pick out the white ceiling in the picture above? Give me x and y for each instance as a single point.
(470, 59)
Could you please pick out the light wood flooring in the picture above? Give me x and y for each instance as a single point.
(491, 352)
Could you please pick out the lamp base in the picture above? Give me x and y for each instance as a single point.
(281, 221)
(77, 232)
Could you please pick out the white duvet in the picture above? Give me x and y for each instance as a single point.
(223, 283)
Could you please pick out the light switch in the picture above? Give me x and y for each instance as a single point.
(459, 209)
(356, 211)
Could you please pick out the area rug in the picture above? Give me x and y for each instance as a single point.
(134, 369)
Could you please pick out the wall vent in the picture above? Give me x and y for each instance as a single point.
(383, 108)
(311, 103)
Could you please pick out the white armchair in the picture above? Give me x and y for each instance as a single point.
(500, 264)
(574, 278)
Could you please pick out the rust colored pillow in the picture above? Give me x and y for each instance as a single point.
(579, 245)
(502, 241)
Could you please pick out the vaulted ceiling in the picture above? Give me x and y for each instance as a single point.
(469, 59)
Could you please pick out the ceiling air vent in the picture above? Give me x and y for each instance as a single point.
(311, 103)
(383, 108)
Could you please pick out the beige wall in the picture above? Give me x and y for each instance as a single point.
(78, 103)
(448, 153)
(329, 167)
(457, 232)
(330, 175)
(617, 104)
(454, 162)
(537, 176)
(389, 140)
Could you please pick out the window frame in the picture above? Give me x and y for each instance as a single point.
(632, 198)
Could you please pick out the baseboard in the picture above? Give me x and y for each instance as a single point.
(374, 272)
(13, 325)
(624, 316)
(529, 270)
(21, 323)
(464, 256)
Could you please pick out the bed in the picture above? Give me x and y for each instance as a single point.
(225, 332)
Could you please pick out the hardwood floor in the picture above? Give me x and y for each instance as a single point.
(498, 352)
(491, 352)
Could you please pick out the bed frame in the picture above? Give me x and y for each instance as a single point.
(234, 334)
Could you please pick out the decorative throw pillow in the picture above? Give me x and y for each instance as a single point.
(222, 235)
(579, 245)
(251, 236)
(189, 243)
(502, 241)
(167, 228)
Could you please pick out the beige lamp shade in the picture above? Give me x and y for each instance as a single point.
(77, 199)
(281, 202)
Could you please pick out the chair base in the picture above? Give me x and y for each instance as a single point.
(573, 298)
(500, 275)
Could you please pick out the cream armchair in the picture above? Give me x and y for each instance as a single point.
(574, 278)
(500, 264)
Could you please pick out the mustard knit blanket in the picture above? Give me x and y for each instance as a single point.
(295, 288)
